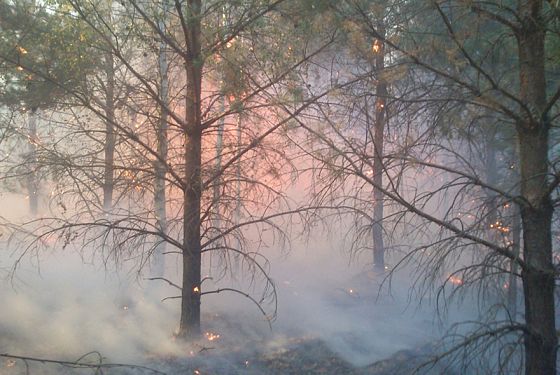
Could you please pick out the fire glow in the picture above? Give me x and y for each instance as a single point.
(210, 336)
(499, 227)
(455, 280)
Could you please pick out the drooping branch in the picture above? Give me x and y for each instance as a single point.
(79, 364)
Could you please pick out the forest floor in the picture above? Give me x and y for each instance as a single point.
(294, 356)
(235, 352)
(339, 328)
(297, 356)
(228, 347)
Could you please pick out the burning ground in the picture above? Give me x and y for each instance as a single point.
(325, 325)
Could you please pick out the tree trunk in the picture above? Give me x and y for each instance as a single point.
(219, 147)
(158, 264)
(32, 179)
(536, 214)
(491, 180)
(380, 118)
(516, 247)
(191, 288)
(238, 204)
(216, 188)
(538, 286)
(110, 136)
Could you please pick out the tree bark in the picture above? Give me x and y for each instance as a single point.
(110, 136)
(191, 288)
(533, 131)
(491, 179)
(216, 188)
(32, 179)
(512, 295)
(158, 264)
(380, 118)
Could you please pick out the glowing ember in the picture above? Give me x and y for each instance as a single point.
(499, 227)
(455, 280)
(196, 289)
(212, 336)
(376, 47)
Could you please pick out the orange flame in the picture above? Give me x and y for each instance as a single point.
(455, 280)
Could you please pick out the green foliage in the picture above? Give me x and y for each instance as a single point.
(43, 54)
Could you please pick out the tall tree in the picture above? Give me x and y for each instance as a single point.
(378, 48)
(192, 39)
(529, 106)
(192, 183)
(35, 44)
(160, 196)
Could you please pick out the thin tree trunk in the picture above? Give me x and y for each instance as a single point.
(219, 147)
(380, 118)
(191, 288)
(538, 275)
(159, 165)
(110, 136)
(491, 180)
(32, 179)
(516, 246)
(216, 189)
(238, 178)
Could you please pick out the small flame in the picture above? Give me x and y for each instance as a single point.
(196, 289)
(212, 336)
(455, 280)
(376, 47)
(499, 227)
